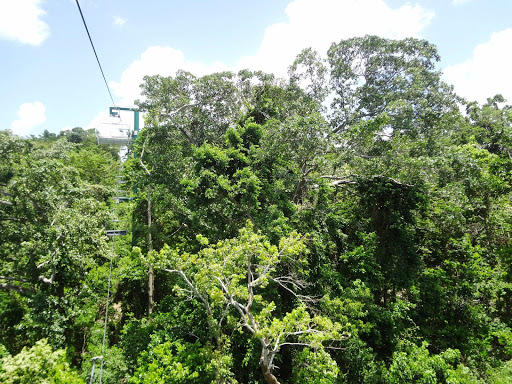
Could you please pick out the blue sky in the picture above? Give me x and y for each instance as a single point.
(50, 79)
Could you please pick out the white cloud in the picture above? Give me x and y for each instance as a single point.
(119, 21)
(460, 2)
(30, 115)
(311, 23)
(487, 73)
(20, 20)
(319, 23)
(100, 118)
(163, 61)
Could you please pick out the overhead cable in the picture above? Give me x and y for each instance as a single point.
(95, 54)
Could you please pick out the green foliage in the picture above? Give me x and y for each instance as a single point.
(375, 77)
(502, 374)
(413, 364)
(11, 313)
(492, 125)
(39, 364)
(52, 242)
(175, 363)
(390, 208)
(314, 366)
(216, 276)
(403, 273)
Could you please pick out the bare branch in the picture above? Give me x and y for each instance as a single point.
(224, 313)
(142, 154)
(224, 287)
(338, 181)
(46, 280)
(262, 275)
(192, 287)
(55, 253)
(16, 288)
(182, 130)
(291, 343)
(296, 283)
(44, 263)
(396, 181)
(10, 278)
(244, 311)
(10, 218)
(243, 314)
(273, 352)
(336, 348)
(176, 231)
(250, 278)
(304, 332)
(179, 109)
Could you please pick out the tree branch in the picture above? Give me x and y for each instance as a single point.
(52, 277)
(182, 130)
(142, 154)
(240, 308)
(46, 280)
(250, 278)
(338, 181)
(10, 278)
(10, 219)
(176, 231)
(179, 109)
(17, 288)
(192, 287)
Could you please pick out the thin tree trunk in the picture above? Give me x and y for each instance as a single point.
(151, 282)
(269, 377)
(265, 364)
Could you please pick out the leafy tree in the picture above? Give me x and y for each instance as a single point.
(52, 223)
(403, 276)
(315, 366)
(229, 276)
(175, 363)
(39, 364)
(491, 125)
(413, 364)
(396, 80)
(501, 375)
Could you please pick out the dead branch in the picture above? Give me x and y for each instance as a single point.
(176, 231)
(142, 154)
(192, 287)
(16, 288)
(182, 130)
(10, 278)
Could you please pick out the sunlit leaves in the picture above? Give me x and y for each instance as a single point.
(39, 364)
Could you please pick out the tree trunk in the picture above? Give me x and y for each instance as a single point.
(151, 282)
(265, 369)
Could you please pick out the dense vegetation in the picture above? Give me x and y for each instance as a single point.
(350, 223)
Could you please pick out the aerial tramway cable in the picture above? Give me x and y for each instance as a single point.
(112, 233)
(108, 297)
(95, 54)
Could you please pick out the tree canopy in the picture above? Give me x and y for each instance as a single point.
(347, 223)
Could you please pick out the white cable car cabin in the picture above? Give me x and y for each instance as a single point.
(113, 133)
